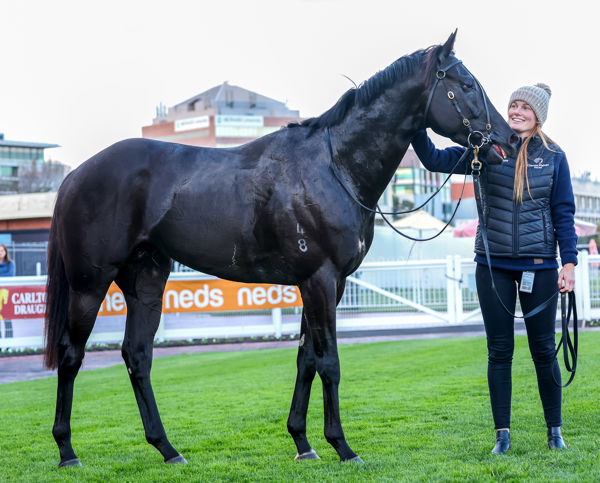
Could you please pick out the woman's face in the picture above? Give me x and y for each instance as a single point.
(521, 118)
(2, 254)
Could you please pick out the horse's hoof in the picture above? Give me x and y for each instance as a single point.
(175, 460)
(309, 455)
(71, 462)
(356, 459)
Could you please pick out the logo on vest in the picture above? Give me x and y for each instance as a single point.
(538, 163)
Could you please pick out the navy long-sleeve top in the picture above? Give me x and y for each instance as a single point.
(7, 269)
(562, 203)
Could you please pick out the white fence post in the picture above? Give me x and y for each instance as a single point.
(451, 289)
(160, 333)
(276, 316)
(458, 288)
(582, 286)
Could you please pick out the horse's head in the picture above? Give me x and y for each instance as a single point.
(458, 108)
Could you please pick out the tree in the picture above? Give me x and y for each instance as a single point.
(41, 177)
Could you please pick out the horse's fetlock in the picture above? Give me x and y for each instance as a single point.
(296, 429)
(334, 438)
(155, 439)
(61, 433)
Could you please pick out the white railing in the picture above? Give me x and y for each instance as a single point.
(379, 295)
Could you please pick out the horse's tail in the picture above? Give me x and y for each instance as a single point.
(57, 299)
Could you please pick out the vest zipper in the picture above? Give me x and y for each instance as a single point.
(516, 228)
(545, 230)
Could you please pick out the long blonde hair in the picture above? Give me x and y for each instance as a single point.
(521, 164)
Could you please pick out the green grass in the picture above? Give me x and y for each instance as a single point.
(413, 410)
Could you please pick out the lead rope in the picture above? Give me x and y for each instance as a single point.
(570, 349)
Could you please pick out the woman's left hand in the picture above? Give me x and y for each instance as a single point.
(566, 278)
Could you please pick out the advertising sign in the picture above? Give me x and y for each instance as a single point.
(239, 121)
(213, 295)
(192, 123)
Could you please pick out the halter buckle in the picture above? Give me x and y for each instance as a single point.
(450, 95)
(440, 74)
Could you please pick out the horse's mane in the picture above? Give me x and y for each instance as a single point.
(372, 88)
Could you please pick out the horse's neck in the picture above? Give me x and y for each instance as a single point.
(371, 141)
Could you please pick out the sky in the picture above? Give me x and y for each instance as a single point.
(85, 74)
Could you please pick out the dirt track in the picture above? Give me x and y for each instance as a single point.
(25, 368)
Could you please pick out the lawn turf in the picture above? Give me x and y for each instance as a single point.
(414, 410)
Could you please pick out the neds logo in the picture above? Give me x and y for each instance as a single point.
(274, 295)
(200, 298)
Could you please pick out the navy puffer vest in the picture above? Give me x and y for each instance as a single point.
(519, 230)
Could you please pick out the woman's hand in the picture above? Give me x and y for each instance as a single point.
(566, 278)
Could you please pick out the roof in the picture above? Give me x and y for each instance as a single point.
(28, 205)
(26, 144)
(227, 92)
(420, 220)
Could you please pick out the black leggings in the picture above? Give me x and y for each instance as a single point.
(500, 330)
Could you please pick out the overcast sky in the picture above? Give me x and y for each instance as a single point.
(85, 74)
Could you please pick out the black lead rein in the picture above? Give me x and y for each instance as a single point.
(352, 194)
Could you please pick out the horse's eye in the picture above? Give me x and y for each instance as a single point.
(466, 86)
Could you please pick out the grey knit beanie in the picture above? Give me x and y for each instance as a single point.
(537, 96)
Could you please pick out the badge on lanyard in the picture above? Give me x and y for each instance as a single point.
(526, 284)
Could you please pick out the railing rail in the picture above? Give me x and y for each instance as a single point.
(379, 295)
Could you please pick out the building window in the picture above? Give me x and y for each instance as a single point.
(9, 171)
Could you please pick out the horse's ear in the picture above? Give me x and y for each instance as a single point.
(448, 46)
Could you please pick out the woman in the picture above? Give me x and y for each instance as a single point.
(528, 207)
(7, 266)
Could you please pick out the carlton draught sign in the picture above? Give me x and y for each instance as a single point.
(22, 302)
(213, 295)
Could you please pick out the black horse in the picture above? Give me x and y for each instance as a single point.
(268, 211)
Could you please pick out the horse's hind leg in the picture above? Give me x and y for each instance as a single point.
(142, 281)
(83, 309)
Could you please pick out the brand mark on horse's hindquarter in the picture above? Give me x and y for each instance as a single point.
(302, 245)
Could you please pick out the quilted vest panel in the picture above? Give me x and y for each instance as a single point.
(519, 230)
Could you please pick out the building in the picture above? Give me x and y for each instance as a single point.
(587, 198)
(21, 164)
(223, 116)
(412, 185)
(25, 227)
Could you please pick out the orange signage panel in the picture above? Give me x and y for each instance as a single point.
(214, 295)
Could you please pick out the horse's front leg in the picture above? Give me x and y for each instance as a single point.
(320, 295)
(307, 367)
